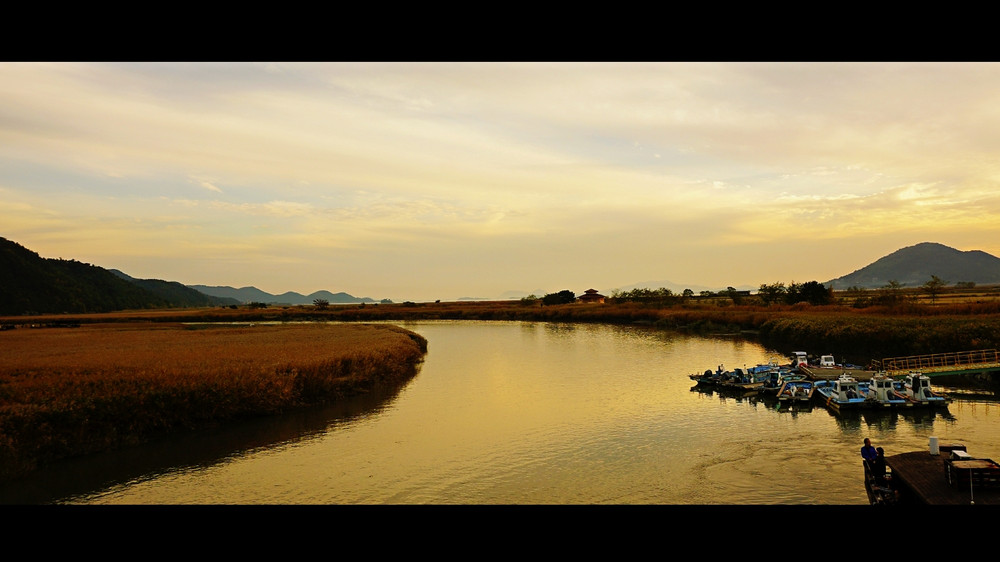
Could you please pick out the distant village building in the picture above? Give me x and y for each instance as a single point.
(591, 295)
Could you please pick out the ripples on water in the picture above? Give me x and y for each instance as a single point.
(531, 413)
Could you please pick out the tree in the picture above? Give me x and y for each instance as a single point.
(562, 297)
(934, 287)
(774, 292)
(734, 294)
(816, 293)
(891, 293)
(321, 303)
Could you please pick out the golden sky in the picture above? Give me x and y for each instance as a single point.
(423, 181)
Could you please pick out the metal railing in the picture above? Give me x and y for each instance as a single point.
(942, 361)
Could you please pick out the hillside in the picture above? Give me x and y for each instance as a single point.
(176, 293)
(32, 284)
(914, 265)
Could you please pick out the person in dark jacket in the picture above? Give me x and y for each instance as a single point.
(868, 453)
(878, 466)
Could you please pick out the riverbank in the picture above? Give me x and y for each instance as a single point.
(101, 381)
(854, 335)
(68, 391)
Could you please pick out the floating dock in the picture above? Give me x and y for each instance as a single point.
(832, 374)
(945, 478)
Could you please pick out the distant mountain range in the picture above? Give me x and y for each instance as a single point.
(31, 284)
(253, 294)
(914, 265)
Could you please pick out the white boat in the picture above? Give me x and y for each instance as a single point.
(883, 393)
(918, 389)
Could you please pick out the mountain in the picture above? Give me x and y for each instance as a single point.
(914, 265)
(30, 283)
(176, 293)
(253, 294)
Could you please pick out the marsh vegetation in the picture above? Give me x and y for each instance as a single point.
(70, 391)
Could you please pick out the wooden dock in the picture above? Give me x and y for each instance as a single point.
(830, 374)
(921, 477)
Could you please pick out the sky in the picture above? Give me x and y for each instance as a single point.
(445, 180)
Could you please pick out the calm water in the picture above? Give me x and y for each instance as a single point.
(531, 413)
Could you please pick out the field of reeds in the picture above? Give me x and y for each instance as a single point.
(66, 391)
(956, 322)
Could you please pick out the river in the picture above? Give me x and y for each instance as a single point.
(531, 413)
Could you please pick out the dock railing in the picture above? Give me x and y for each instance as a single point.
(942, 362)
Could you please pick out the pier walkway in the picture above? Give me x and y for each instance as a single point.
(956, 363)
(921, 478)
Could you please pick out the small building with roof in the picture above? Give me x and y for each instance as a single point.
(591, 295)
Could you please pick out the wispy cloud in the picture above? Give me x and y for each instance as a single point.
(495, 175)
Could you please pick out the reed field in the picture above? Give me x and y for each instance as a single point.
(67, 391)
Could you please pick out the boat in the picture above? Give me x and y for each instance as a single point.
(827, 368)
(879, 485)
(796, 390)
(737, 379)
(842, 393)
(884, 392)
(774, 376)
(917, 387)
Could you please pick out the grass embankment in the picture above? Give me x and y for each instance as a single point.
(72, 391)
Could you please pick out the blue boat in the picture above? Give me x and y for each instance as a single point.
(842, 393)
(796, 390)
(737, 379)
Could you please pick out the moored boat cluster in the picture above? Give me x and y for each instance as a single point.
(834, 386)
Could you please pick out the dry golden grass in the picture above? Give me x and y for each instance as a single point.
(67, 391)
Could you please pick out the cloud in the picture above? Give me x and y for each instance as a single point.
(625, 167)
(209, 186)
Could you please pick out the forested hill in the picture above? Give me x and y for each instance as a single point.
(33, 284)
(914, 265)
(177, 294)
